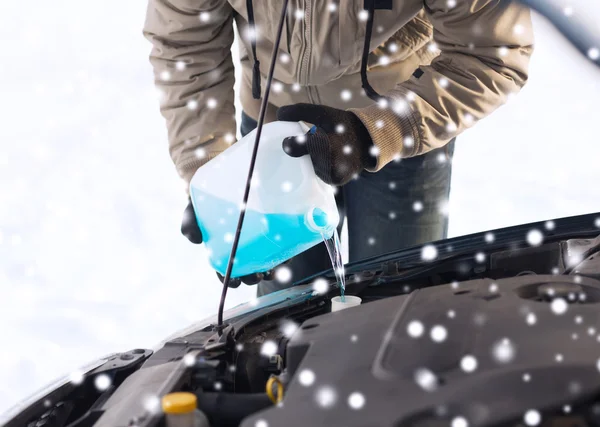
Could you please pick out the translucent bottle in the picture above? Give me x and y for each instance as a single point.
(181, 410)
(289, 208)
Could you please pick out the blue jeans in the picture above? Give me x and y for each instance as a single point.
(394, 208)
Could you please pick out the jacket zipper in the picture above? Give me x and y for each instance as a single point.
(307, 44)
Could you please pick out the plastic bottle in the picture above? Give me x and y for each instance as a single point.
(289, 208)
(181, 410)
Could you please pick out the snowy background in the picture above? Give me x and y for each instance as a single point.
(91, 259)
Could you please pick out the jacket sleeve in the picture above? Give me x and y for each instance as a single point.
(485, 46)
(194, 74)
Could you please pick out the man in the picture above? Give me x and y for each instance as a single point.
(440, 66)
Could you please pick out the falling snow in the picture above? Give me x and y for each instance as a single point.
(261, 423)
(269, 348)
(531, 319)
(426, 379)
(320, 286)
(76, 377)
(415, 329)
(480, 257)
(594, 53)
(326, 397)
(417, 206)
(211, 103)
(503, 351)
(429, 253)
(289, 328)
(438, 333)
(532, 417)
(459, 422)
(489, 237)
(363, 15)
(346, 95)
(468, 363)
(559, 306)
(526, 377)
(535, 237)
(283, 274)
(356, 400)
(306, 377)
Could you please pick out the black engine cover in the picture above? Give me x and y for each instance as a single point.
(530, 354)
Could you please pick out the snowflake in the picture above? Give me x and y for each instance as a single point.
(289, 328)
(277, 87)
(526, 377)
(284, 57)
(392, 185)
(180, 65)
(229, 138)
(443, 82)
(346, 95)
(451, 127)
(192, 104)
(441, 158)
(102, 382)
(408, 141)
(480, 257)
(594, 53)
(549, 225)
(392, 215)
(578, 320)
(211, 103)
(356, 400)
(568, 11)
(165, 75)
(384, 60)
(393, 47)
(374, 151)
(228, 237)
(468, 119)
(217, 385)
(426, 379)
(239, 347)
(379, 124)
(261, 423)
(299, 14)
(204, 16)
(296, 87)
(468, 363)
(301, 139)
(451, 314)
(76, 377)
(535, 237)
(332, 7)
(531, 319)
(429, 253)
(383, 103)
(306, 377)
(432, 47)
(519, 29)
(340, 128)
(354, 338)
(347, 149)
(400, 106)
(503, 351)
(283, 274)
(451, 3)
(532, 417)
(320, 286)
(417, 206)
(503, 51)
(566, 409)
(269, 348)
(591, 331)
(493, 288)
(326, 397)
(151, 403)
(363, 15)
(459, 422)
(286, 186)
(438, 333)
(189, 359)
(371, 241)
(559, 306)
(574, 336)
(559, 358)
(415, 329)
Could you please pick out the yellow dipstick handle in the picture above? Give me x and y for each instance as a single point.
(275, 398)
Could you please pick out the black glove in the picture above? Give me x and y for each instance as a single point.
(191, 230)
(340, 146)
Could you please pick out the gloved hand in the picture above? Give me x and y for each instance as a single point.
(191, 230)
(340, 146)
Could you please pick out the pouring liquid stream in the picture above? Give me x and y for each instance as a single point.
(334, 249)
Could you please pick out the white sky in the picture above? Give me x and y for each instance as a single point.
(91, 260)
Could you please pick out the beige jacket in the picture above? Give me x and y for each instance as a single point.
(472, 54)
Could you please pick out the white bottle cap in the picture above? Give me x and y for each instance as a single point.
(351, 301)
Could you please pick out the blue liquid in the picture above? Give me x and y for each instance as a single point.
(266, 240)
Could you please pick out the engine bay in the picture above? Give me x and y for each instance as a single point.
(507, 338)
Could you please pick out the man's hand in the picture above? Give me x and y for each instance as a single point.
(191, 230)
(340, 146)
